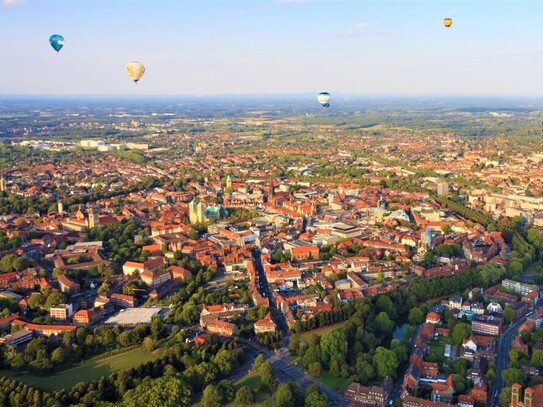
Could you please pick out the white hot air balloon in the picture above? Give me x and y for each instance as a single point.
(324, 99)
(134, 70)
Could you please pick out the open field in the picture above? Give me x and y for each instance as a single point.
(90, 370)
(320, 331)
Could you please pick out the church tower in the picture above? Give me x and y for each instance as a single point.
(94, 218)
(60, 207)
(228, 182)
(271, 193)
(193, 216)
(200, 212)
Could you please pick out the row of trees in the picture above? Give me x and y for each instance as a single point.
(44, 354)
(170, 381)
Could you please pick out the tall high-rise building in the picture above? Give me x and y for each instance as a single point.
(443, 189)
(3, 183)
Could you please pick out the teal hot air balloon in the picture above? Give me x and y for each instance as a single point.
(56, 41)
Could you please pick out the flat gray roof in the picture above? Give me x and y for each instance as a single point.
(134, 316)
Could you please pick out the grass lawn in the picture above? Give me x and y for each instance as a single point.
(90, 370)
(320, 331)
(332, 382)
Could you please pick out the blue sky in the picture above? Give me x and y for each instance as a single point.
(272, 46)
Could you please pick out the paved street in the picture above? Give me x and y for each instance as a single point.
(286, 372)
(502, 359)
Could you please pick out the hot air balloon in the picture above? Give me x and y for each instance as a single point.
(447, 22)
(56, 41)
(134, 70)
(324, 99)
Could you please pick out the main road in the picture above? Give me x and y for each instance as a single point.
(502, 359)
(286, 372)
(265, 291)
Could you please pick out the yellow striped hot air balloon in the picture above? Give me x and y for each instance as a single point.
(447, 22)
(134, 70)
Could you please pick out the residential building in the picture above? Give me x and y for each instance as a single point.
(124, 301)
(17, 338)
(410, 401)
(155, 278)
(223, 311)
(265, 324)
(88, 316)
(374, 395)
(61, 312)
(465, 401)
(518, 287)
(487, 326)
(221, 327)
(68, 286)
(433, 318)
(153, 264)
(45, 330)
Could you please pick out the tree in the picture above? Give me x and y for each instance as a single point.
(416, 316)
(383, 323)
(509, 314)
(294, 344)
(333, 343)
(315, 369)
(54, 299)
(165, 391)
(35, 301)
(513, 375)
(224, 360)
(460, 332)
(314, 398)
(227, 390)
(537, 357)
(57, 357)
(460, 383)
(259, 361)
(157, 328)
(149, 344)
(385, 362)
(283, 397)
(267, 376)
(505, 396)
(211, 396)
(244, 396)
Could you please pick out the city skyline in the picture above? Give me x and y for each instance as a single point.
(276, 46)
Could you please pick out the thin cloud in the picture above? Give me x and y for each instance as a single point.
(291, 1)
(12, 2)
(383, 31)
(353, 31)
